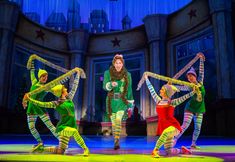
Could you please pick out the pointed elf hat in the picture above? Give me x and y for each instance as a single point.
(57, 90)
(41, 72)
(170, 90)
(192, 71)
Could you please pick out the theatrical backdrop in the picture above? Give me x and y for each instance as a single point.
(87, 34)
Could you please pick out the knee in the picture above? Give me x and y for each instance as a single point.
(31, 125)
(118, 120)
(185, 125)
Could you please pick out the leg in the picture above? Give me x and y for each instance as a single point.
(166, 139)
(74, 132)
(170, 140)
(46, 120)
(31, 124)
(197, 128)
(188, 116)
(113, 117)
(118, 124)
(63, 144)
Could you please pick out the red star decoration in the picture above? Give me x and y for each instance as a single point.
(40, 34)
(192, 13)
(116, 42)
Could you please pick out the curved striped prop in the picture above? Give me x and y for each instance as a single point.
(170, 80)
(186, 67)
(36, 57)
(60, 80)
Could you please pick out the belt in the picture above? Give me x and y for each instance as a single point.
(116, 96)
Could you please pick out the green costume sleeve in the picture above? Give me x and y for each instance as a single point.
(51, 104)
(107, 86)
(129, 91)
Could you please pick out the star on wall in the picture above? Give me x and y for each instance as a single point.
(40, 34)
(192, 13)
(116, 42)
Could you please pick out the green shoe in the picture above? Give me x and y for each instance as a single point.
(38, 148)
(155, 153)
(86, 152)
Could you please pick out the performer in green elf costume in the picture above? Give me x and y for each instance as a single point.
(194, 109)
(66, 126)
(34, 111)
(118, 83)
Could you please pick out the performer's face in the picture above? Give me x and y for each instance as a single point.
(64, 92)
(118, 65)
(192, 78)
(163, 92)
(43, 78)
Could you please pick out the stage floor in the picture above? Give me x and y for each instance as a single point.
(133, 149)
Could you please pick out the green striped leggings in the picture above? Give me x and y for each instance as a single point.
(46, 120)
(64, 137)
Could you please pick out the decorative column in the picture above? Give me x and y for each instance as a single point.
(156, 27)
(9, 13)
(220, 11)
(77, 41)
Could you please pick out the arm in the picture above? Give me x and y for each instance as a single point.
(30, 66)
(180, 100)
(51, 104)
(107, 86)
(129, 91)
(32, 74)
(183, 88)
(201, 70)
(152, 91)
(74, 87)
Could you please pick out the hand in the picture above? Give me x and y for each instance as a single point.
(169, 83)
(77, 69)
(25, 99)
(33, 56)
(80, 72)
(24, 103)
(145, 76)
(30, 64)
(201, 55)
(114, 84)
(129, 112)
(194, 89)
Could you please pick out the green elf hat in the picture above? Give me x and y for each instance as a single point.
(41, 72)
(57, 90)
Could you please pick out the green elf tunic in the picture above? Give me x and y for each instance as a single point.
(67, 115)
(33, 109)
(117, 103)
(66, 110)
(195, 106)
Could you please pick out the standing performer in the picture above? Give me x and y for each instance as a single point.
(34, 111)
(118, 83)
(67, 126)
(194, 108)
(168, 126)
